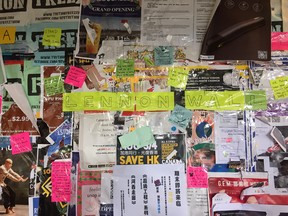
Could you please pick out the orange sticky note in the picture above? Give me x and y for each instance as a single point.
(7, 34)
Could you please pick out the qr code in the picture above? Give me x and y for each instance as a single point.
(262, 54)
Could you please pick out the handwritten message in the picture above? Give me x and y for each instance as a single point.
(75, 77)
(53, 85)
(280, 87)
(164, 55)
(20, 143)
(125, 68)
(197, 177)
(61, 184)
(52, 37)
(178, 77)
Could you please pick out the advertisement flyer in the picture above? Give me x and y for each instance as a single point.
(150, 190)
(168, 149)
(107, 20)
(97, 141)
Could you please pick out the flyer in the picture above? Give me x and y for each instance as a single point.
(97, 141)
(229, 137)
(168, 149)
(150, 190)
(107, 20)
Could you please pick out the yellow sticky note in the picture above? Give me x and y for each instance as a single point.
(178, 77)
(280, 87)
(52, 37)
(153, 101)
(7, 34)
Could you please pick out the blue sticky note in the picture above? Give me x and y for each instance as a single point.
(180, 116)
(164, 55)
(129, 139)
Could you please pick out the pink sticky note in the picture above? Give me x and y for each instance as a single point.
(20, 143)
(0, 104)
(61, 184)
(75, 76)
(197, 177)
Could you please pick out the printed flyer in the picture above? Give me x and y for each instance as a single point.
(168, 149)
(107, 20)
(149, 190)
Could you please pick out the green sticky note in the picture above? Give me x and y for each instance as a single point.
(53, 85)
(125, 68)
(140, 137)
(145, 135)
(178, 77)
(154, 101)
(163, 55)
(52, 37)
(255, 100)
(280, 87)
(129, 139)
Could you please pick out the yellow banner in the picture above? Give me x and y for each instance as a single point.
(215, 100)
(154, 101)
(110, 101)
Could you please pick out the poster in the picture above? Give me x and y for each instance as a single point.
(97, 141)
(107, 20)
(167, 149)
(150, 190)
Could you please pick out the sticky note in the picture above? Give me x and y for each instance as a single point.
(255, 100)
(7, 34)
(180, 116)
(61, 184)
(52, 37)
(178, 77)
(280, 87)
(140, 137)
(1, 104)
(20, 143)
(75, 77)
(53, 85)
(197, 177)
(163, 55)
(154, 101)
(125, 68)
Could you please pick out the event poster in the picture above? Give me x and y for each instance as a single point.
(150, 190)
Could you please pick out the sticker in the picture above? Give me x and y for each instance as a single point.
(197, 177)
(75, 77)
(140, 137)
(0, 104)
(280, 87)
(178, 77)
(61, 184)
(125, 68)
(20, 143)
(53, 85)
(52, 37)
(163, 55)
(180, 116)
(7, 34)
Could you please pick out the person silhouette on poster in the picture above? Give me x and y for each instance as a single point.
(8, 194)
